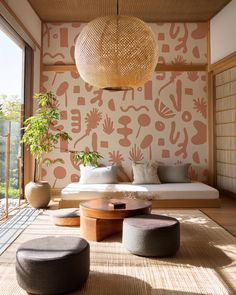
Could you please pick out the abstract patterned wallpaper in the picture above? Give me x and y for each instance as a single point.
(178, 42)
(165, 120)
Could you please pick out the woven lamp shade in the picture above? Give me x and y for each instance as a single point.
(116, 52)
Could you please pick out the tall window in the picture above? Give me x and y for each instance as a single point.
(12, 57)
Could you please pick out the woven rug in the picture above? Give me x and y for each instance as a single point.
(13, 227)
(205, 263)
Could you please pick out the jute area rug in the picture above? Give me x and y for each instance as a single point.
(205, 263)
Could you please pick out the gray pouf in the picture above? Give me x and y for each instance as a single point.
(52, 265)
(151, 235)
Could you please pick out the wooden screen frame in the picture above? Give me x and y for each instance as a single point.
(220, 66)
(28, 108)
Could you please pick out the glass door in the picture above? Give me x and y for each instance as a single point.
(11, 117)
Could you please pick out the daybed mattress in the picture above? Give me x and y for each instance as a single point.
(193, 190)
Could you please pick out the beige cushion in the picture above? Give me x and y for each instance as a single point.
(174, 173)
(65, 213)
(91, 174)
(145, 173)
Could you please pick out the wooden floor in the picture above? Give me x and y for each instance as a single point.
(225, 215)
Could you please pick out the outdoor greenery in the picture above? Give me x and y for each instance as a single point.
(38, 135)
(10, 108)
(10, 112)
(87, 157)
(13, 192)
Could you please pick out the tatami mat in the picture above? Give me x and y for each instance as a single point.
(12, 227)
(205, 263)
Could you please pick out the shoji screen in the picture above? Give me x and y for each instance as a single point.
(225, 120)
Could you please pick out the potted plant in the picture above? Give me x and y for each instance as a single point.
(40, 139)
(87, 157)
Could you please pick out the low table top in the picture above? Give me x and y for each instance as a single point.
(103, 209)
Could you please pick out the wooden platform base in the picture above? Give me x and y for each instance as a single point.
(194, 203)
(180, 203)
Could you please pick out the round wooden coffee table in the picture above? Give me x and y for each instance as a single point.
(99, 219)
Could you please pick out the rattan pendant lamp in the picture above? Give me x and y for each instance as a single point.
(116, 52)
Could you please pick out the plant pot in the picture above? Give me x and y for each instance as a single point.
(38, 194)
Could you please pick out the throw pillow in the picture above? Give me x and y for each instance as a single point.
(145, 173)
(174, 173)
(122, 176)
(91, 174)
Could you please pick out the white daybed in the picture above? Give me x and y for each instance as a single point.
(194, 194)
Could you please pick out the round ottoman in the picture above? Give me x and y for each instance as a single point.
(66, 217)
(52, 265)
(151, 235)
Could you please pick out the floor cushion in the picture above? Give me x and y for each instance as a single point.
(66, 217)
(52, 265)
(151, 235)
